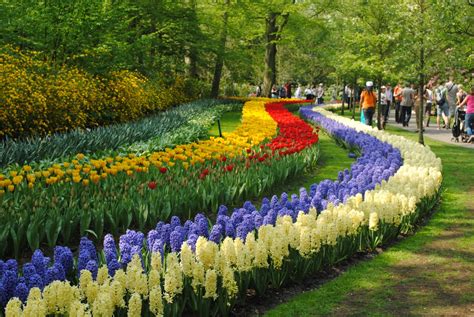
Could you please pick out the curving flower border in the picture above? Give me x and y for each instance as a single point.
(215, 274)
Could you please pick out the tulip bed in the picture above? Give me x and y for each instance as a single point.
(182, 124)
(113, 194)
(204, 269)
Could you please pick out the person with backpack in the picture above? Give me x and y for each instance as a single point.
(368, 100)
(451, 97)
(442, 107)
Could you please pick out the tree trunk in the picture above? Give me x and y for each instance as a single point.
(379, 117)
(269, 76)
(220, 55)
(353, 101)
(343, 95)
(422, 76)
(191, 54)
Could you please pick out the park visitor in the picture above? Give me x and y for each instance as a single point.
(367, 102)
(347, 95)
(398, 99)
(384, 106)
(389, 94)
(429, 104)
(298, 92)
(408, 95)
(418, 106)
(288, 89)
(452, 90)
(441, 106)
(319, 94)
(469, 120)
(274, 91)
(308, 93)
(460, 95)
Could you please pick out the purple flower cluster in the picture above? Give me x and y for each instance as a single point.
(37, 273)
(378, 161)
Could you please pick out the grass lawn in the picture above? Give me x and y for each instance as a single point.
(229, 122)
(430, 273)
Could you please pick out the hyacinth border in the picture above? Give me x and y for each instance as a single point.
(415, 204)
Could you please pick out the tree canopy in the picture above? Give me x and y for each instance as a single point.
(248, 42)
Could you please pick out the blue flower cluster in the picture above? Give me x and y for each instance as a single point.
(37, 273)
(378, 161)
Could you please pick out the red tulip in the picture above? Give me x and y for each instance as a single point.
(163, 170)
(152, 185)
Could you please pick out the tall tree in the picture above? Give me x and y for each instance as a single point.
(216, 80)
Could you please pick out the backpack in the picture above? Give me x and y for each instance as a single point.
(440, 97)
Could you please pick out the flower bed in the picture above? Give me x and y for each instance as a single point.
(206, 173)
(206, 277)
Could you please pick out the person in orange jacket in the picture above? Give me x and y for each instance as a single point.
(368, 100)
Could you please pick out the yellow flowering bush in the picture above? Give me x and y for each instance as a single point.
(39, 98)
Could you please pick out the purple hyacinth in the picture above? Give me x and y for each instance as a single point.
(176, 239)
(63, 256)
(216, 233)
(93, 268)
(55, 273)
(87, 252)
(21, 291)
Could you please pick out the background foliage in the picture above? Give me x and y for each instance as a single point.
(120, 44)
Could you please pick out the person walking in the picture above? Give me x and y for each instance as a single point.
(308, 93)
(288, 89)
(408, 95)
(320, 94)
(299, 92)
(368, 100)
(418, 107)
(451, 98)
(384, 108)
(460, 95)
(442, 108)
(429, 104)
(469, 119)
(389, 95)
(397, 93)
(348, 95)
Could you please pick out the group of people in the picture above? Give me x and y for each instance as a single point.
(284, 91)
(449, 98)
